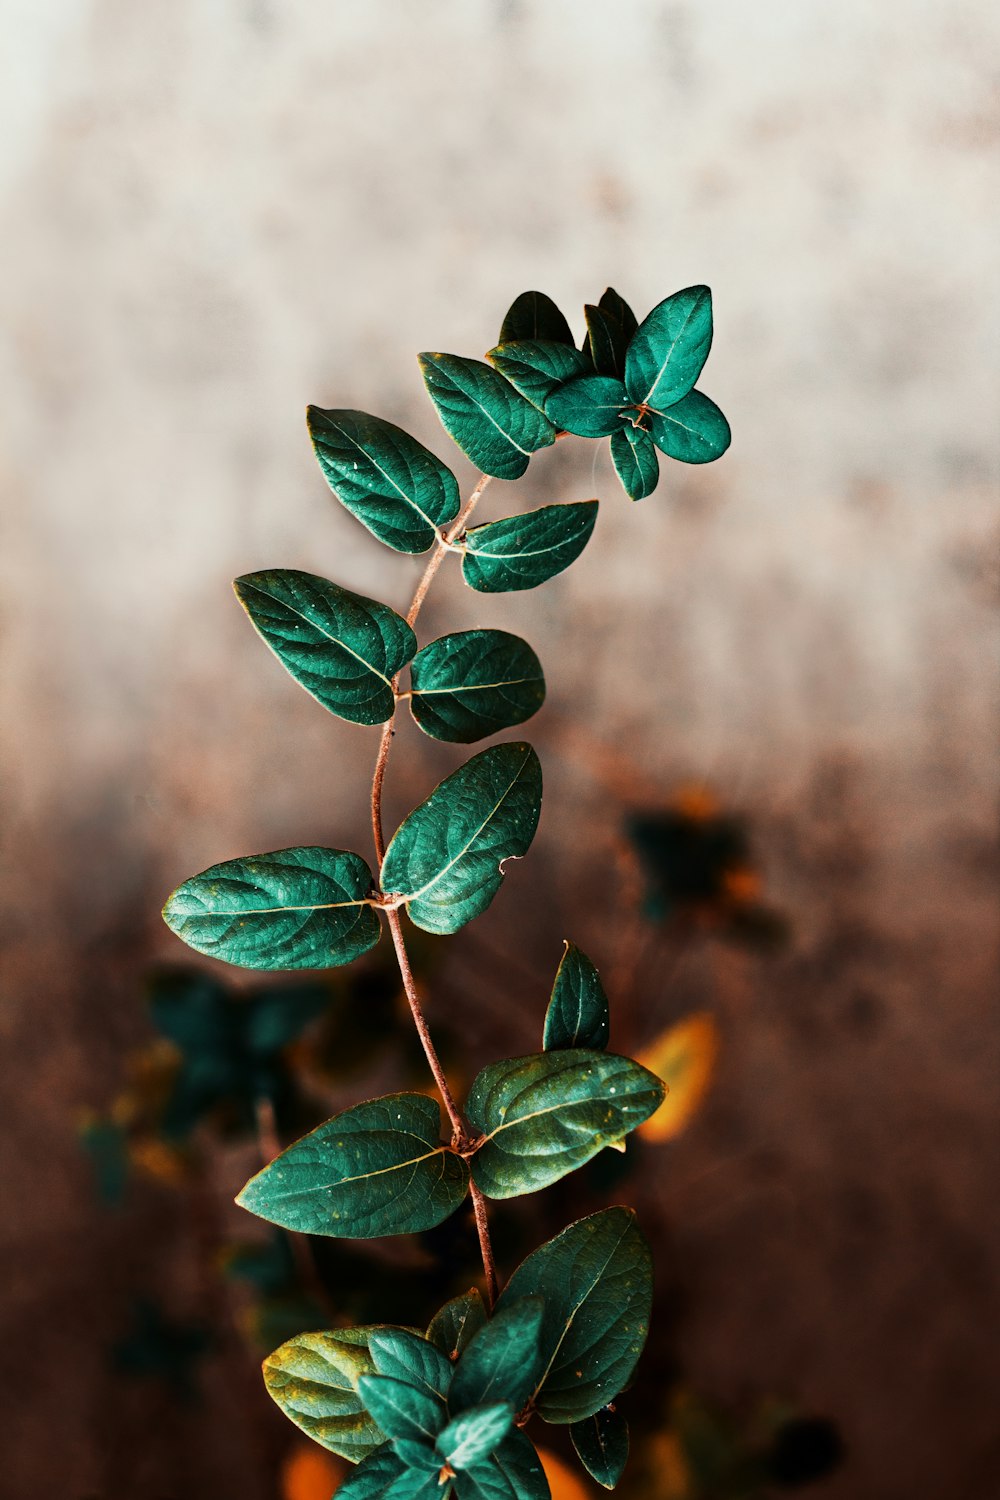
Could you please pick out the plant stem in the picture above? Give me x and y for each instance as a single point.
(458, 1125)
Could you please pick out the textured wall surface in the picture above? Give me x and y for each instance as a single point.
(214, 211)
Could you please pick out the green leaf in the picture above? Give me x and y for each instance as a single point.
(544, 1115)
(418, 1456)
(344, 649)
(456, 1323)
(400, 1409)
(601, 1444)
(314, 1379)
(578, 1010)
(503, 1360)
(520, 552)
(635, 461)
(534, 316)
(446, 859)
(595, 1279)
(473, 683)
(378, 1168)
(409, 1356)
(536, 368)
(692, 430)
(513, 1472)
(616, 307)
(375, 1477)
(291, 909)
(473, 1436)
(668, 351)
(608, 342)
(277, 1016)
(394, 485)
(492, 424)
(593, 406)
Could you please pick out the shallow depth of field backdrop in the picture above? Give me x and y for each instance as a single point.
(214, 211)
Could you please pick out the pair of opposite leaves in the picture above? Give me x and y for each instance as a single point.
(380, 1168)
(565, 1337)
(631, 382)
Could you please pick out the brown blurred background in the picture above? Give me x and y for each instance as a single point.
(212, 213)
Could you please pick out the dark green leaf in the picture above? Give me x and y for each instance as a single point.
(544, 1115)
(492, 424)
(408, 1356)
(608, 342)
(473, 1436)
(668, 351)
(292, 909)
(419, 1456)
(378, 1168)
(400, 1409)
(375, 1477)
(537, 368)
(601, 1444)
(474, 683)
(635, 461)
(534, 316)
(619, 309)
(593, 406)
(314, 1379)
(503, 1360)
(394, 485)
(446, 859)
(191, 1010)
(596, 1282)
(513, 1472)
(275, 1017)
(344, 649)
(693, 430)
(578, 1010)
(520, 552)
(456, 1323)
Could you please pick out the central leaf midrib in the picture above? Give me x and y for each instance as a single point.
(399, 1166)
(576, 1309)
(480, 407)
(473, 687)
(408, 499)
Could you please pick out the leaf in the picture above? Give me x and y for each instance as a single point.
(394, 485)
(400, 1409)
(520, 552)
(314, 1379)
(513, 1472)
(291, 909)
(276, 1016)
(595, 1279)
(693, 430)
(684, 1056)
(375, 1477)
(616, 306)
(593, 406)
(636, 464)
(343, 649)
(578, 1010)
(453, 1327)
(473, 1436)
(503, 1360)
(532, 315)
(608, 342)
(418, 1455)
(601, 1444)
(666, 354)
(446, 859)
(536, 368)
(544, 1115)
(492, 424)
(377, 1168)
(473, 683)
(408, 1356)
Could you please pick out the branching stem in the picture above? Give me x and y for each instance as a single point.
(459, 1129)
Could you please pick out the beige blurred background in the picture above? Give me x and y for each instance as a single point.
(214, 211)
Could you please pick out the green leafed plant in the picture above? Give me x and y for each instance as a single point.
(443, 1412)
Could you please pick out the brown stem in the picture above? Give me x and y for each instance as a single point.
(459, 1130)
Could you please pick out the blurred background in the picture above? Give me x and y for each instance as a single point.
(769, 738)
